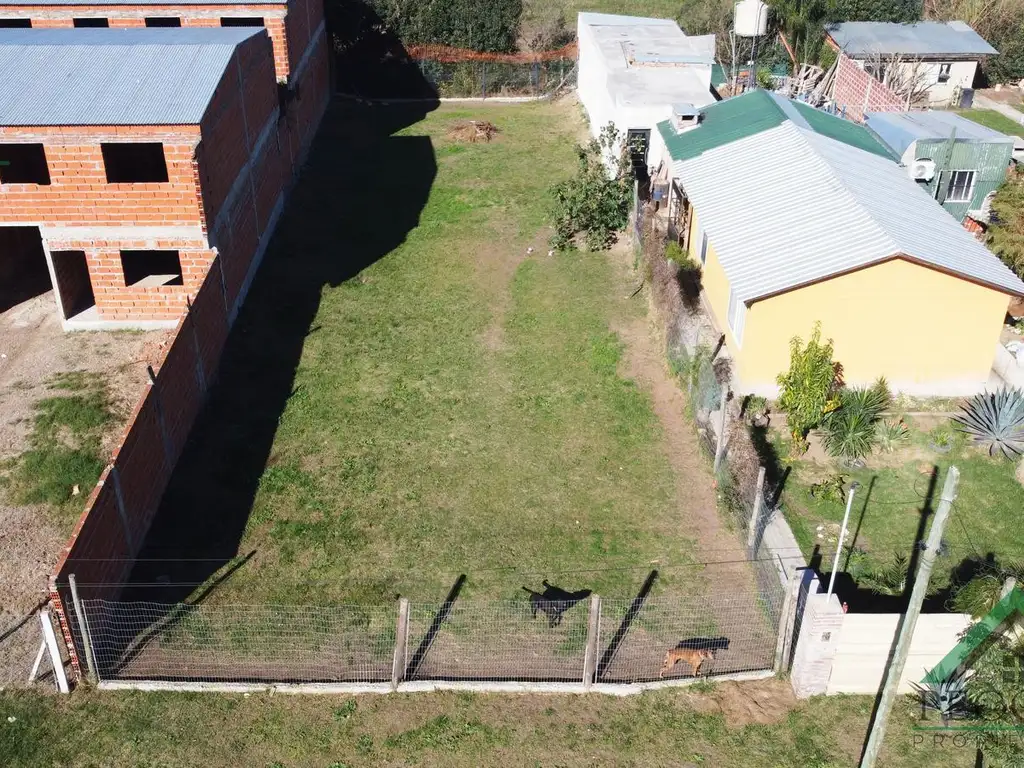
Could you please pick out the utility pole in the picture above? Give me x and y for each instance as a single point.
(899, 659)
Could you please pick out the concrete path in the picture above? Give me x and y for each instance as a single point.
(984, 102)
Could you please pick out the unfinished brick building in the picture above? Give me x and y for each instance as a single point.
(134, 157)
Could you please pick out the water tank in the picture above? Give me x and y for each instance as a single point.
(750, 18)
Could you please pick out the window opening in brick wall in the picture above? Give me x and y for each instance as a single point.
(91, 22)
(15, 23)
(146, 269)
(26, 164)
(134, 163)
(163, 21)
(242, 21)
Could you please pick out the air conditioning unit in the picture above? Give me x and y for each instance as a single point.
(922, 170)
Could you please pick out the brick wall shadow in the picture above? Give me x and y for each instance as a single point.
(343, 215)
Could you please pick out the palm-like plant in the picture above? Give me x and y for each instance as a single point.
(995, 420)
(851, 430)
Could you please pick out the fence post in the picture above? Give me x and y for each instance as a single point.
(720, 445)
(786, 622)
(401, 639)
(83, 626)
(593, 630)
(755, 513)
(50, 640)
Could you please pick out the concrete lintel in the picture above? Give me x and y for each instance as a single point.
(92, 233)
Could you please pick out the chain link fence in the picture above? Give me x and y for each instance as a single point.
(489, 79)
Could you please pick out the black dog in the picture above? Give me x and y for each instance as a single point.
(553, 602)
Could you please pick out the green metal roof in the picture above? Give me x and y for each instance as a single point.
(718, 75)
(757, 111)
(842, 130)
(724, 122)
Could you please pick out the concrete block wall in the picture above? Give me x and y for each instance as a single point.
(821, 622)
(858, 92)
(128, 15)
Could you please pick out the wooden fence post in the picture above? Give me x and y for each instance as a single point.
(755, 512)
(720, 445)
(50, 643)
(593, 631)
(401, 639)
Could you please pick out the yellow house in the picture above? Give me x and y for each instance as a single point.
(800, 217)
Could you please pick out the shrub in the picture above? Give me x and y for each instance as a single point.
(594, 203)
(832, 489)
(808, 390)
(892, 433)
(995, 420)
(851, 430)
(481, 25)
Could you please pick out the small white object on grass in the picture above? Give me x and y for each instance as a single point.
(530, 249)
(75, 490)
(11, 719)
(551, 253)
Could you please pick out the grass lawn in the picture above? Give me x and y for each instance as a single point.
(726, 725)
(457, 405)
(886, 511)
(994, 120)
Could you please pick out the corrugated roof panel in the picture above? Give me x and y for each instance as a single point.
(790, 206)
(931, 125)
(112, 76)
(724, 122)
(842, 130)
(923, 38)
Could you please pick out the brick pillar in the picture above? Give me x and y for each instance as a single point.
(817, 644)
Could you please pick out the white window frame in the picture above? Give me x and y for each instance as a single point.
(737, 317)
(703, 246)
(969, 188)
(945, 72)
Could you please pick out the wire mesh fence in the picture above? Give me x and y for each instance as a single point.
(625, 640)
(486, 79)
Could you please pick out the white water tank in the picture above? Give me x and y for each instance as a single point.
(750, 18)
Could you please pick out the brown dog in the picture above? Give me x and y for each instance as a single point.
(692, 656)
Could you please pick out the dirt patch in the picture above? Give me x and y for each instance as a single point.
(473, 131)
(33, 348)
(760, 702)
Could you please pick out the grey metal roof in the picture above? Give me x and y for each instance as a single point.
(901, 129)
(922, 38)
(787, 207)
(112, 76)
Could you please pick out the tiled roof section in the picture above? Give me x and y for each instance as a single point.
(112, 76)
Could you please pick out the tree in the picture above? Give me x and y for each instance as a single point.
(595, 203)
(802, 22)
(1006, 233)
(809, 389)
(480, 25)
(900, 11)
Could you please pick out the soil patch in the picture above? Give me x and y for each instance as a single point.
(473, 131)
(760, 702)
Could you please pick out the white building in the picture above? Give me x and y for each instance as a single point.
(940, 57)
(633, 71)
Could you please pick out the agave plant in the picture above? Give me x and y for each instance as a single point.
(995, 420)
(948, 698)
(891, 434)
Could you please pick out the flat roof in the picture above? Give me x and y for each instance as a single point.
(922, 38)
(113, 76)
(650, 61)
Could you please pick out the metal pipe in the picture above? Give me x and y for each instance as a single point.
(842, 535)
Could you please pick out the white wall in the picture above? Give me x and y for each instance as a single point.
(866, 640)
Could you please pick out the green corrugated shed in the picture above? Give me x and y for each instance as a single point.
(757, 111)
(718, 76)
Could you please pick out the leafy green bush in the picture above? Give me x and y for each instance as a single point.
(1006, 233)
(832, 489)
(808, 390)
(595, 202)
(480, 25)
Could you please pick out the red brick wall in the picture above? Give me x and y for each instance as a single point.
(858, 92)
(78, 193)
(58, 16)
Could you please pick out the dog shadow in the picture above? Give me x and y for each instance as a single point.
(704, 644)
(554, 601)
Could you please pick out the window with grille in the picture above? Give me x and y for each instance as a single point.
(961, 187)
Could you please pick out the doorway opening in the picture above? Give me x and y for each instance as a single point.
(23, 271)
(74, 287)
(638, 142)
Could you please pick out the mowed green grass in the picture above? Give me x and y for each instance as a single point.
(886, 515)
(667, 728)
(994, 120)
(459, 406)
